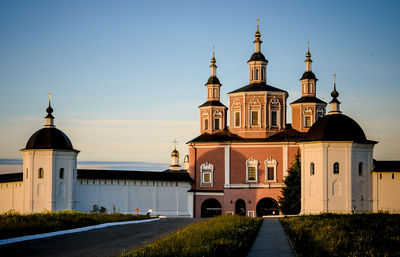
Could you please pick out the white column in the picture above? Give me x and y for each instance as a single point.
(285, 160)
(227, 165)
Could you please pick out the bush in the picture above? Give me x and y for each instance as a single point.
(344, 235)
(13, 224)
(220, 236)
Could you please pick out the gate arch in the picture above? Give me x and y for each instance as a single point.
(240, 207)
(267, 206)
(211, 208)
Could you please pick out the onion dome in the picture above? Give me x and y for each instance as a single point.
(49, 137)
(175, 153)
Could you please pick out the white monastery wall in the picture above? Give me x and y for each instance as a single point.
(11, 196)
(386, 191)
(169, 198)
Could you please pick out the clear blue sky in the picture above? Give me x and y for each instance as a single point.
(127, 76)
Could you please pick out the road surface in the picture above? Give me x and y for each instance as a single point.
(110, 241)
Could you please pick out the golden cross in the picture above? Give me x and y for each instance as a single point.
(258, 23)
(49, 96)
(175, 143)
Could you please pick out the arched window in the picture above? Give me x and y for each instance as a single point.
(62, 173)
(336, 168)
(251, 170)
(41, 173)
(360, 169)
(270, 169)
(262, 73)
(312, 168)
(256, 74)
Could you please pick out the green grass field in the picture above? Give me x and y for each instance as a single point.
(344, 235)
(14, 224)
(221, 236)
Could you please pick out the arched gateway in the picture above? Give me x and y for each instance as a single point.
(240, 207)
(210, 208)
(267, 206)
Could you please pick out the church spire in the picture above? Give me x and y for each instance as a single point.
(213, 66)
(49, 117)
(308, 60)
(257, 35)
(335, 103)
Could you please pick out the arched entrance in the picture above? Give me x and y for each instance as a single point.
(267, 206)
(240, 207)
(210, 208)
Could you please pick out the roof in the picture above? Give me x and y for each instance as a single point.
(287, 135)
(386, 166)
(212, 103)
(257, 57)
(308, 75)
(257, 87)
(337, 127)
(308, 99)
(49, 138)
(134, 175)
(11, 177)
(213, 80)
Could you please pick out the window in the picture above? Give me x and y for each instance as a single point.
(392, 175)
(380, 175)
(205, 123)
(237, 119)
(254, 117)
(41, 173)
(307, 121)
(312, 168)
(251, 170)
(26, 171)
(252, 74)
(270, 168)
(216, 124)
(251, 173)
(256, 74)
(62, 173)
(274, 118)
(271, 173)
(215, 93)
(320, 113)
(360, 169)
(262, 73)
(206, 170)
(336, 168)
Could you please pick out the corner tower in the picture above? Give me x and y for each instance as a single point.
(49, 169)
(213, 112)
(307, 109)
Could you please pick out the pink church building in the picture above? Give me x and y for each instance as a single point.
(240, 169)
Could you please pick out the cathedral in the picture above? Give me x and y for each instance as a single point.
(241, 169)
(236, 169)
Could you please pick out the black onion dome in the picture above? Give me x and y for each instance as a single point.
(308, 75)
(49, 138)
(337, 127)
(257, 57)
(213, 80)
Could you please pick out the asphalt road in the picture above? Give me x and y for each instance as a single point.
(110, 241)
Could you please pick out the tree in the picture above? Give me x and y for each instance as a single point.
(290, 202)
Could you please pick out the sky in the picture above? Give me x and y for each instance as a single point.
(127, 77)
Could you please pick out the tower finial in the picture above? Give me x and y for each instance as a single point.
(175, 142)
(213, 61)
(258, 23)
(49, 96)
(213, 51)
(335, 103)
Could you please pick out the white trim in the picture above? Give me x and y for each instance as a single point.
(227, 165)
(210, 170)
(208, 193)
(270, 163)
(275, 185)
(250, 214)
(251, 163)
(285, 155)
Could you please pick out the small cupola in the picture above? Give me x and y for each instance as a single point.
(335, 103)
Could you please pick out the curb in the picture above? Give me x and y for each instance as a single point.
(70, 231)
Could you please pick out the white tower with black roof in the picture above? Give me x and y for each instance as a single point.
(49, 169)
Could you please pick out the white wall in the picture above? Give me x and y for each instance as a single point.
(11, 195)
(170, 198)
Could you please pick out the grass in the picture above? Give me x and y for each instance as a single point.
(344, 235)
(220, 236)
(14, 224)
